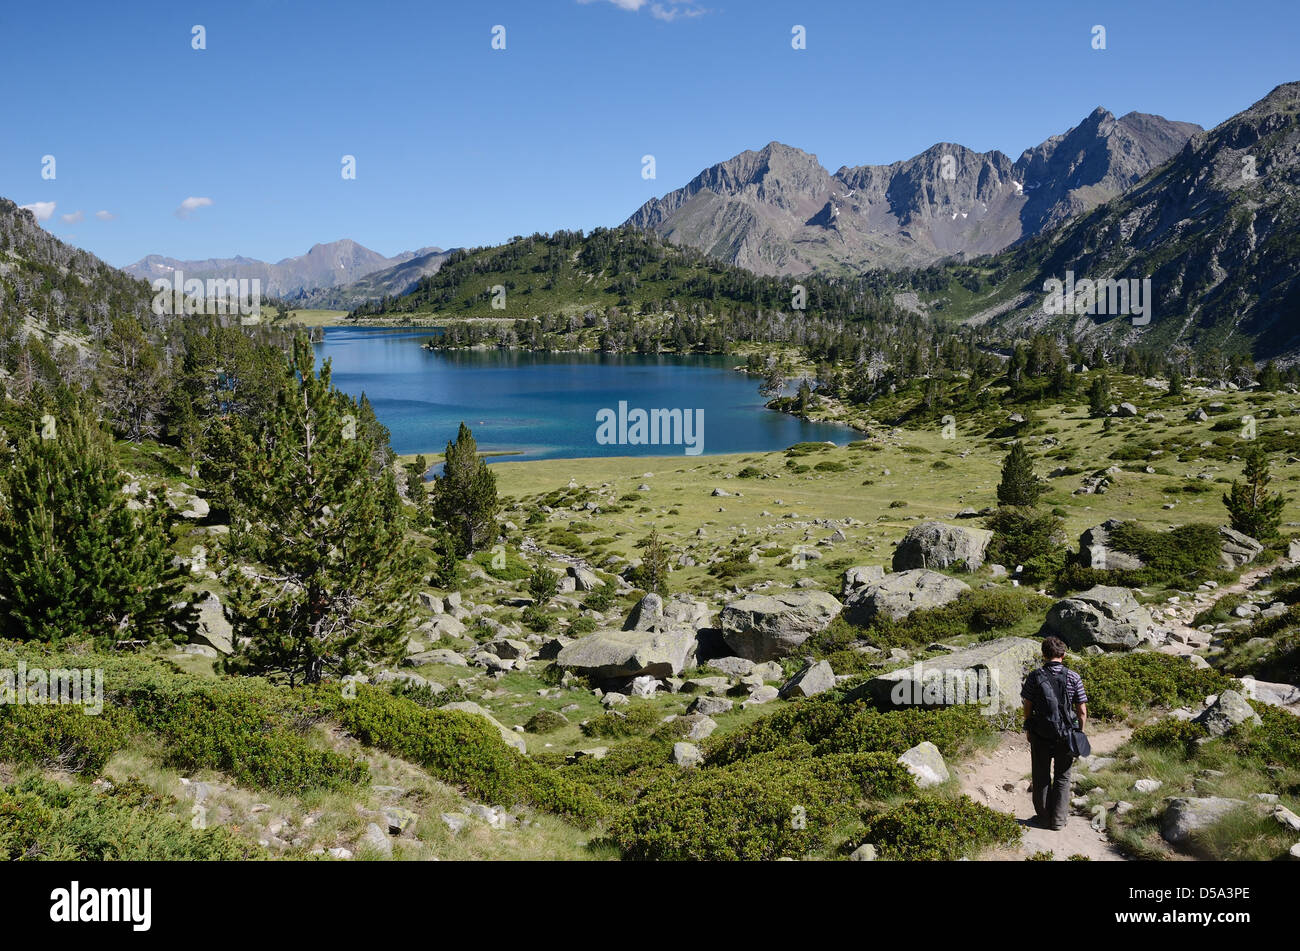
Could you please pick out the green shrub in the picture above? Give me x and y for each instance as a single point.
(40, 819)
(638, 720)
(932, 829)
(1170, 732)
(464, 750)
(253, 732)
(60, 737)
(546, 721)
(760, 810)
(831, 465)
(1120, 684)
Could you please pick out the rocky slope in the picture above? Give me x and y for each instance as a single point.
(778, 211)
(1214, 230)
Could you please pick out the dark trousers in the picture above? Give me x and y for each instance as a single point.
(1051, 795)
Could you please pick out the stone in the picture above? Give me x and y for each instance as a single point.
(732, 666)
(448, 658)
(1147, 785)
(989, 673)
(341, 853)
(710, 705)
(508, 648)
(760, 695)
(1285, 816)
(1107, 617)
(399, 819)
(455, 821)
(810, 681)
(624, 655)
(859, 577)
(1096, 551)
(1237, 549)
(644, 686)
(864, 853)
(1127, 409)
(687, 754)
(430, 601)
(899, 594)
(584, 579)
(925, 763)
(404, 677)
(647, 614)
(213, 629)
(1286, 696)
(1183, 817)
(377, 840)
(762, 627)
(940, 545)
(509, 737)
(698, 726)
(1229, 710)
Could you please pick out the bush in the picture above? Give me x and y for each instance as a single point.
(1120, 684)
(464, 750)
(766, 809)
(40, 819)
(546, 721)
(60, 737)
(977, 611)
(638, 720)
(938, 829)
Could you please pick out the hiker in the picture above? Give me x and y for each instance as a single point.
(1049, 694)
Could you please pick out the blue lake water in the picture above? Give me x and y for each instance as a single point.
(546, 405)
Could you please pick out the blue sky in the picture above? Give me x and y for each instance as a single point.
(458, 144)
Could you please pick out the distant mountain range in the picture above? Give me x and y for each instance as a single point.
(1216, 231)
(324, 268)
(778, 211)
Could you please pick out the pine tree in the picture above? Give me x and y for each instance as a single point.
(1019, 485)
(1099, 396)
(1270, 380)
(542, 584)
(77, 562)
(1175, 383)
(651, 575)
(324, 534)
(1254, 510)
(446, 565)
(464, 497)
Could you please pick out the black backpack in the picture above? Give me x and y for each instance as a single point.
(1051, 717)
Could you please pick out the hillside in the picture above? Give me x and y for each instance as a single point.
(1214, 230)
(777, 211)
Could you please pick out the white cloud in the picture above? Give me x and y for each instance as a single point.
(76, 217)
(660, 11)
(105, 215)
(191, 205)
(41, 209)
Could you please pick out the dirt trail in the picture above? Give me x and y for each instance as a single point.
(1185, 639)
(1000, 780)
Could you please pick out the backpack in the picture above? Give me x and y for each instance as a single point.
(1050, 718)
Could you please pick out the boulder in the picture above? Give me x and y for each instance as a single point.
(1236, 549)
(1229, 710)
(732, 666)
(687, 754)
(897, 595)
(623, 655)
(584, 579)
(810, 681)
(989, 674)
(710, 706)
(213, 628)
(647, 614)
(509, 737)
(699, 726)
(1107, 617)
(376, 840)
(940, 545)
(1095, 550)
(859, 577)
(440, 656)
(925, 763)
(761, 627)
(1285, 696)
(864, 853)
(1185, 816)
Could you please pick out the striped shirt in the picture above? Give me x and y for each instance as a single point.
(1074, 691)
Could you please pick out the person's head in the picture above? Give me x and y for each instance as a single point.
(1053, 649)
